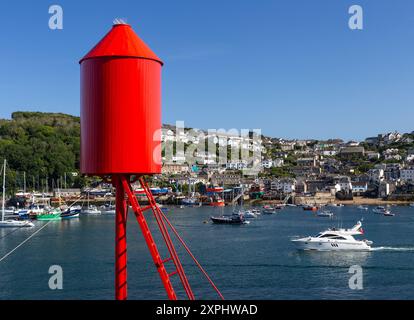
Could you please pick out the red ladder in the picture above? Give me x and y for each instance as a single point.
(123, 187)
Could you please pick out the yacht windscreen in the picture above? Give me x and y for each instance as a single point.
(327, 235)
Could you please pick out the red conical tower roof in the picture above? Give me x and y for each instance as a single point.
(121, 41)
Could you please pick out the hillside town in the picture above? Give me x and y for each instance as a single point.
(207, 167)
(306, 171)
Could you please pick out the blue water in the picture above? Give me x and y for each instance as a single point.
(255, 261)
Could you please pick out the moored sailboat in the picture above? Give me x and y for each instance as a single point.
(10, 223)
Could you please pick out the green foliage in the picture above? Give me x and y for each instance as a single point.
(43, 145)
(281, 172)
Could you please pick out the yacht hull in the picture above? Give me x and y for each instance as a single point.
(306, 244)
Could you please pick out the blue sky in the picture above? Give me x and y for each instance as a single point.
(291, 68)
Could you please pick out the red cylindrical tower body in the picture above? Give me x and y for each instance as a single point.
(120, 106)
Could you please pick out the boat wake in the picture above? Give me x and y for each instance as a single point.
(393, 249)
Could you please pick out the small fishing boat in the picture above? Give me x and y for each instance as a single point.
(91, 209)
(325, 213)
(248, 214)
(411, 204)
(269, 209)
(388, 213)
(71, 212)
(108, 209)
(310, 208)
(53, 214)
(23, 214)
(216, 201)
(191, 202)
(235, 218)
(361, 207)
(380, 210)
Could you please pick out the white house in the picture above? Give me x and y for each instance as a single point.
(267, 164)
(236, 165)
(283, 185)
(344, 184)
(359, 187)
(329, 153)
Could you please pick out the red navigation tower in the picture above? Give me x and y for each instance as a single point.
(120, 139)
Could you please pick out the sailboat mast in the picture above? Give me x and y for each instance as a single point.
(4, 190)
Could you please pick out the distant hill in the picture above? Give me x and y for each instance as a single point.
(43, 145)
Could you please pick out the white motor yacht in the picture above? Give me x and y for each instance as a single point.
(335, 240)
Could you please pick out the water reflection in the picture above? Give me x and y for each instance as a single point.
(333, 258)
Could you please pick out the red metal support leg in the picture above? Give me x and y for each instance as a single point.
(167, 239)
(120, 241)
(158, 261)
(124, 191)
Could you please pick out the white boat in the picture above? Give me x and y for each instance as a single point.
(16, 224)
(247, 214)
(335, 240)
(335, 205)
(411, 204)
(108, 209)
(91, 210)
(35, 210)
(325, 213)
(10, 211)
(10, 223)
(381, 210)
(269, 210)
(361, 207)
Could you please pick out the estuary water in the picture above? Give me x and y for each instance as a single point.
(254, 261)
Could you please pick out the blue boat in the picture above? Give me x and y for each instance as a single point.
(71, 212)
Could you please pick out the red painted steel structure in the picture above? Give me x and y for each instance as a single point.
(120, 138)
(120, 106)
